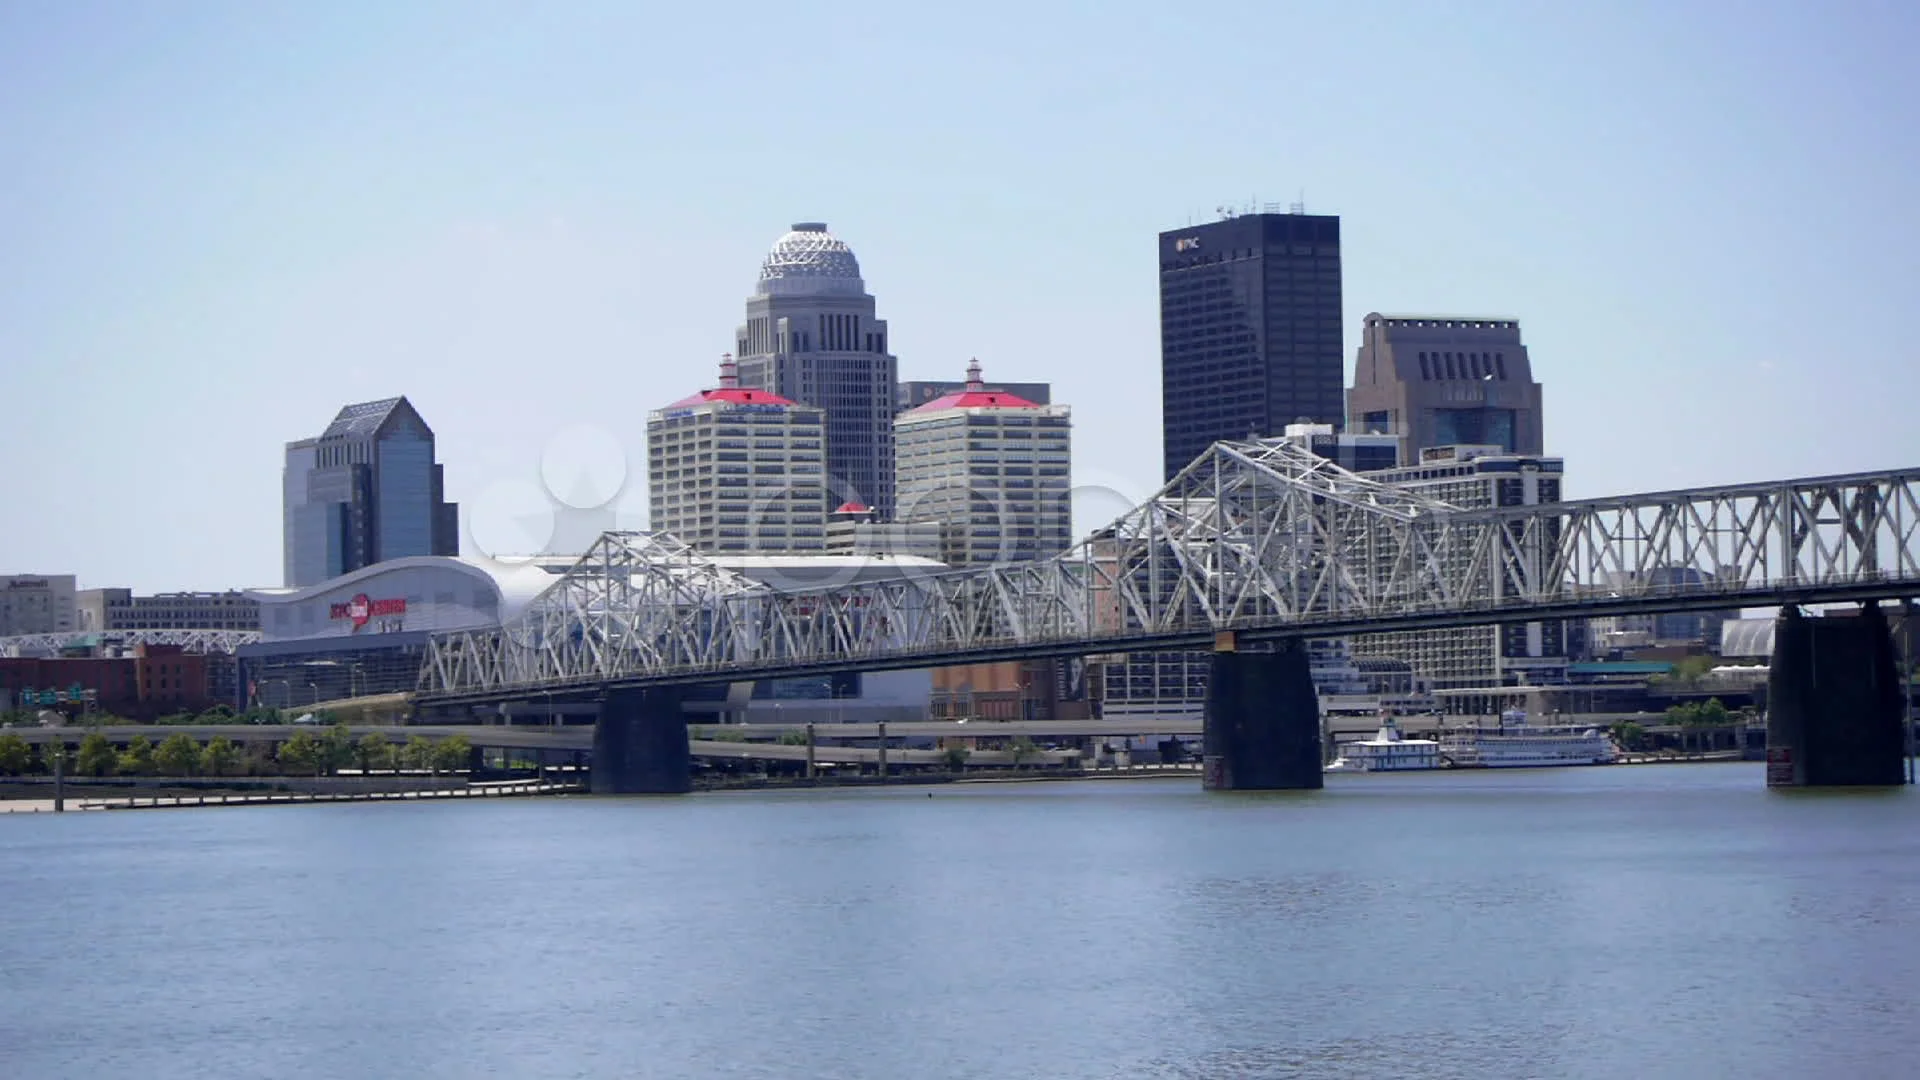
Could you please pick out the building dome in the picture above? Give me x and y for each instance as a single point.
(809, 259)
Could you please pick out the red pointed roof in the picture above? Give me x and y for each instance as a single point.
(854, 508)
(730, 390)
(734, 394)
(976, 396)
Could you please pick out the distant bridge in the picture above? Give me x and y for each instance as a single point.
(1262, 539)
(190, 640)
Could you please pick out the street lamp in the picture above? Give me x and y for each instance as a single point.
(353, 672)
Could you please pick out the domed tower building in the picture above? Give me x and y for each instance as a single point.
(811, 335)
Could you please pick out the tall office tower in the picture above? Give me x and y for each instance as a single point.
(1445, 380)
(811, 336)
(1249, 330)
(733, 469)
(365, 491)
(993, 468)
(1468, 660)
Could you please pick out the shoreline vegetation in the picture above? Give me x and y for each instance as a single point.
(324, 751)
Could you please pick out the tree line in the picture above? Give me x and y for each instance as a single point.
(218, 715)
(304, 754)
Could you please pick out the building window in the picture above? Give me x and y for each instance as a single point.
(1500, 363)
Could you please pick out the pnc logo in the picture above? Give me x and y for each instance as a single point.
(361, 608)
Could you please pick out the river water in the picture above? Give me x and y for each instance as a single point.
(1674, 920)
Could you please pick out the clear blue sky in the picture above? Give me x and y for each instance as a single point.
(220, 222)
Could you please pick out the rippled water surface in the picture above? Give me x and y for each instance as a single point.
(1633, 921)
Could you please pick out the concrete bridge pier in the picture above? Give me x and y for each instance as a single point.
(1834, 702)
(640, 744)
(1262, 721)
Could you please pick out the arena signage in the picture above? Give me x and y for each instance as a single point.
(361, 608)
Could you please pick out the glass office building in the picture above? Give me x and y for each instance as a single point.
(1249, 330)
(364, 491)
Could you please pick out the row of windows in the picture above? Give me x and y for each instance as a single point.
(1478, 365)
(1448, 324)
(703, 424)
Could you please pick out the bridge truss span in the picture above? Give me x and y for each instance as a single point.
(1262, 538)
(188, 640)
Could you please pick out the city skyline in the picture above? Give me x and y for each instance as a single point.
(199, 273)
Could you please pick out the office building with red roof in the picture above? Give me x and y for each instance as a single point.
(738, 469)
(992, 468)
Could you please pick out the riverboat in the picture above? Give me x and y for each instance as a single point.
(1387, 751)
(1517, 744)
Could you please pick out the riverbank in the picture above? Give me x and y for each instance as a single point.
(1670, 758)
(79, 798)
(980, 776)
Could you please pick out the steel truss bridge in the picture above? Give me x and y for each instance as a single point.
(1260, 538)
(193, 641)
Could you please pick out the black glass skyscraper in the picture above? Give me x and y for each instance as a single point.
(1249, 330)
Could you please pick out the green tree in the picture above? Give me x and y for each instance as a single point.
(259, 759)
(218, 757)
(957, 758)
(1021, 748)
(373, 751)
(417, 754)
(337, 748)
(1710, 713)
(792, 738)
(302, 754)
(451, 755)
(137, 759)
(1630, 735)
(14, 754)
(178, 755)
(96, 756)
(54, 753)
(1693, 668)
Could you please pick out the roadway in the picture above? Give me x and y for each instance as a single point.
(577, 737)
(761, 739)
